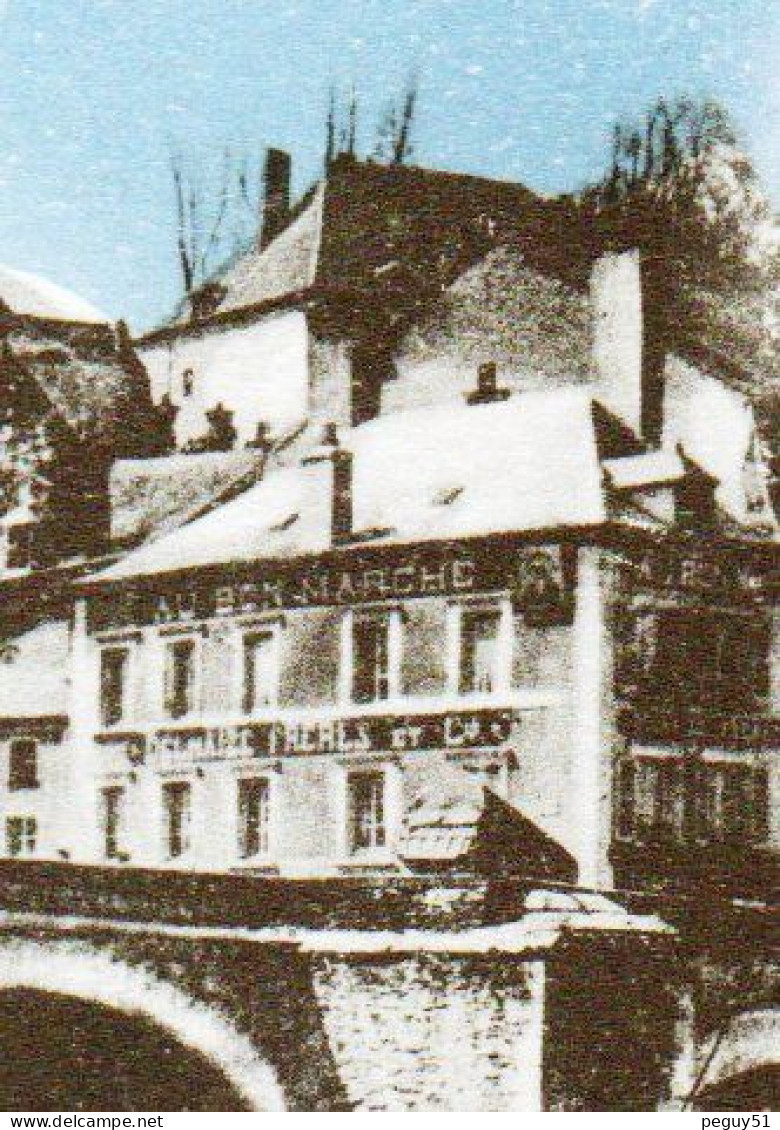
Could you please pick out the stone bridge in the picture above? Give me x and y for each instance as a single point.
(126, 990)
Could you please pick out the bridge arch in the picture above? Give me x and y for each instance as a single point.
(79, 971)
(747, 1046)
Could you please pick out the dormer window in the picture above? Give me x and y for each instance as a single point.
(447, 495)
(260, 653)
(114, 665)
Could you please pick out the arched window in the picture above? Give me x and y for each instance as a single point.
(23, 764)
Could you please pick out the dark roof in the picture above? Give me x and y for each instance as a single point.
(388, 231)
(457, 820)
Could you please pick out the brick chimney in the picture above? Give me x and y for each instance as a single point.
(487, 390)
(276, 194)
(330, 451)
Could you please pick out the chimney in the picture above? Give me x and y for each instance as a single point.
(487, 390)
(629, 352)
(276, 194)
(262, 438)
(340, 459)
(654, 302)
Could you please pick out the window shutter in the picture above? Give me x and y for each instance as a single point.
(168, 680)
(625, 799)
(189, 660)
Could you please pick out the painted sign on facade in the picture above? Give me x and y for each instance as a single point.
(538, 578)
(698, 571)
(456, 730)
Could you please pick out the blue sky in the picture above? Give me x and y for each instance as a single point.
(93, 94)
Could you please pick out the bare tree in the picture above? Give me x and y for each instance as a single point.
(216, 213)
(217, 207)
(394, 132)
(341, 125)
(402, 142)
(393, 141)
(330, 130)
(670, 139)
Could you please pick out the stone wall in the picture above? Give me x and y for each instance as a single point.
(374, 1032)
(612, 1009)
(380, 995)
(534, 327)
(183, 898)
(432, 1032)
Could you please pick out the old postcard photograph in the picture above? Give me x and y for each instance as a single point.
(389, 546)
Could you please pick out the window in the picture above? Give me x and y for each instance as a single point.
(259, 670)
(21, 835)
(699, 658)
(187, 382)
(180, 678)
(112, 799)
(659, 796)
(253, 817)
(176, 807)
(114, 663)
(478, 649)
(735, 803)
(23, 764)
(666, 800)
(625, 806)
(366, 808)
(371, 369)
(649, 800)
(370, 658)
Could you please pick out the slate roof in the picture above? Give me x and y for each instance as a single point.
(429, 223)
(526, 463)
(736, 333)
(442, 821)
(651, 468)
(284, 515)
(286, 266)
(392, 231)
(151, 497)
(459, 820)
